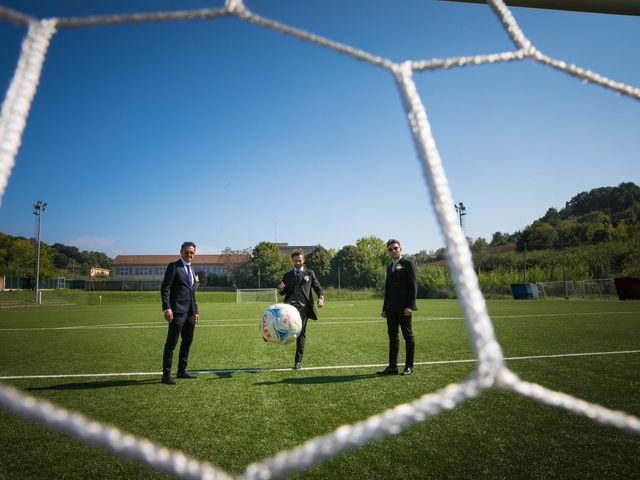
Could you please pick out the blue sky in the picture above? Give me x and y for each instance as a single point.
(227, 134)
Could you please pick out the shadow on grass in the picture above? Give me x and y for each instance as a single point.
(320, 380)
(95, 385)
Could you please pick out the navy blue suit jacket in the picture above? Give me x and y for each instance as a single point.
(176, 293)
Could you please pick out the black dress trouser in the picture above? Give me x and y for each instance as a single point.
(395, 320)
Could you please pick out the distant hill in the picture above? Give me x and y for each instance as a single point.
(599, 215)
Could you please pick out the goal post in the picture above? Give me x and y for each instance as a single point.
(591, 289)
(257, 295)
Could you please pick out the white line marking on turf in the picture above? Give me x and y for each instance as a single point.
(327, 367)
(323, 321)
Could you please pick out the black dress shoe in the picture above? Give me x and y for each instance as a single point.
(167, 380)
(388, 371)
(407, 371)
(185, 375)
(297, 366)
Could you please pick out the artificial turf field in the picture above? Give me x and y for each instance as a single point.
(246, 404)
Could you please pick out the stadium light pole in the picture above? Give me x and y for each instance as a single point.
(461, 211)
(38, 208)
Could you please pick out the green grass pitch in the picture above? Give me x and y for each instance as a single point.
(246, 404)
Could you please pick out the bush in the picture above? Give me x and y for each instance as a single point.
(434, 282)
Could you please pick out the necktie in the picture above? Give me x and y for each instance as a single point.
(189, 275)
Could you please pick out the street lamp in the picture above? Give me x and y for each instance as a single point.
(38, 208)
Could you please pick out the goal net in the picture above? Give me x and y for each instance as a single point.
(601, 288)
(491, 370)
(257, 295)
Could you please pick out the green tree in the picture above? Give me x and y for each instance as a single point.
(374, 250)
(499, 238)
(537, 236)
(421, 258)
(552, 217)
(20, 258)
(268, 260)
(479, 251)
(319, 260)
(572, 233)
(47, 268)
(349, 265)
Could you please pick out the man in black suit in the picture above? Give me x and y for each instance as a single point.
(178, 293)
(296, 286)
(400, 291)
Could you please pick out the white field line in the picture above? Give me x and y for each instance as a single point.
(327, 367)
(323, 321)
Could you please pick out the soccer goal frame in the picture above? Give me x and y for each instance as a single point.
(616, 7)
(256, 295)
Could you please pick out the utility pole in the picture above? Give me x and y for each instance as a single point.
(38, 208)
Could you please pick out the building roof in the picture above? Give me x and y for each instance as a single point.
(164, 260)
(288, 249)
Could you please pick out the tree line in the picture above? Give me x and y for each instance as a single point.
(18, 254)
(596, 235)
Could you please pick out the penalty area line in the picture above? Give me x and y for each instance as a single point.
(318, 368)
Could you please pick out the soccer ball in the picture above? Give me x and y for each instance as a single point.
(280, 323)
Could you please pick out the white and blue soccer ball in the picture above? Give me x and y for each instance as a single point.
(280, 323)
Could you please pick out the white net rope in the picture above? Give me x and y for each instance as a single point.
(22, 89)
(491, 371)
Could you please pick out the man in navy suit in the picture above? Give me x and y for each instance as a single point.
(400, 291)
(296, 286)
(178, 293)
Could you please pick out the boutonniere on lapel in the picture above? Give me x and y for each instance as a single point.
(305, 278)
(398, 266)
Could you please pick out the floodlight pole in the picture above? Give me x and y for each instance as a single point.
(462, 211)
(38, 208)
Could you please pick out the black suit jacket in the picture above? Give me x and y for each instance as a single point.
(401, 287)
(176, 293)
(309, 282)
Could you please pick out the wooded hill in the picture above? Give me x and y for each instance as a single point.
(596, 235)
